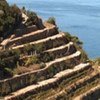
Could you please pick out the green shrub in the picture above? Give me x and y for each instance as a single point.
(9, 59)
(78, 45)
(16, 52)
(32, 60)
(8, 72)
(29, 48)
(24, 10)
(51, 20)
(68, 36)
(10, 19)
(32, 18)
(75, 39)
(42, 65)
(45, 57)
(39, 48)
(6, 53)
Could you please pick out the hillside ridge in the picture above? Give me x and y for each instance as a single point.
(39, 62)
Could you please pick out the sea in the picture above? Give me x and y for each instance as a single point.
(78, 17)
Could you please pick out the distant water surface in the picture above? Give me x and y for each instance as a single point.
(79, 17)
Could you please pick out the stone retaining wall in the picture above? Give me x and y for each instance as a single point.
(12, 84)
(40, 34)
(57, 53)
(63, 52)
(20, 32)
(50, 85)
(93, 95)
(49, 44)
(75, 86)
(83, 83)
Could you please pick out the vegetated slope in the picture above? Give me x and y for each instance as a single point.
(38, 62)
(10, 18)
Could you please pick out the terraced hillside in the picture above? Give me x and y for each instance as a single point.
(48, 66)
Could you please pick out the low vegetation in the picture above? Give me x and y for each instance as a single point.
(78, 44)
(32, 60)
(32, 18)
(11, 61)
(75, 39)
(52, 59)
(10, 18)
(52, 20)
(8, 61)
(96, 62)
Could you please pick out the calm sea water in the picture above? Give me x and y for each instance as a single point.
(79, 17)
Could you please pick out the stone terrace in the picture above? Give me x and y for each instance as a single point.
(66, 65)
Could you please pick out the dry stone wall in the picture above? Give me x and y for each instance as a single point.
(48, 44)
(70, 90)
(9, 85)
(93, 95)
(40, 34)
(55, 42)
(63, 52)
(83, 83)
(51, 84)
(20, 32)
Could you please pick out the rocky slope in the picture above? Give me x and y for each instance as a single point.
(52, 66)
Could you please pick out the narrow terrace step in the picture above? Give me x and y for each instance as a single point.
(77, 53)
(48, 39)
(60, 47)
(9, 85)
(58, 52)
(70, 90)
(23, 31)
(64, 50)
(33, 36)
(46, 83)
(43, 95)
(92, 94)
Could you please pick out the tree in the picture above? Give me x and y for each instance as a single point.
(10, 18)
(32, 18)
(16, 13)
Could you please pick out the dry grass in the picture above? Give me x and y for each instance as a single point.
(48, 25)
(24, 69)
